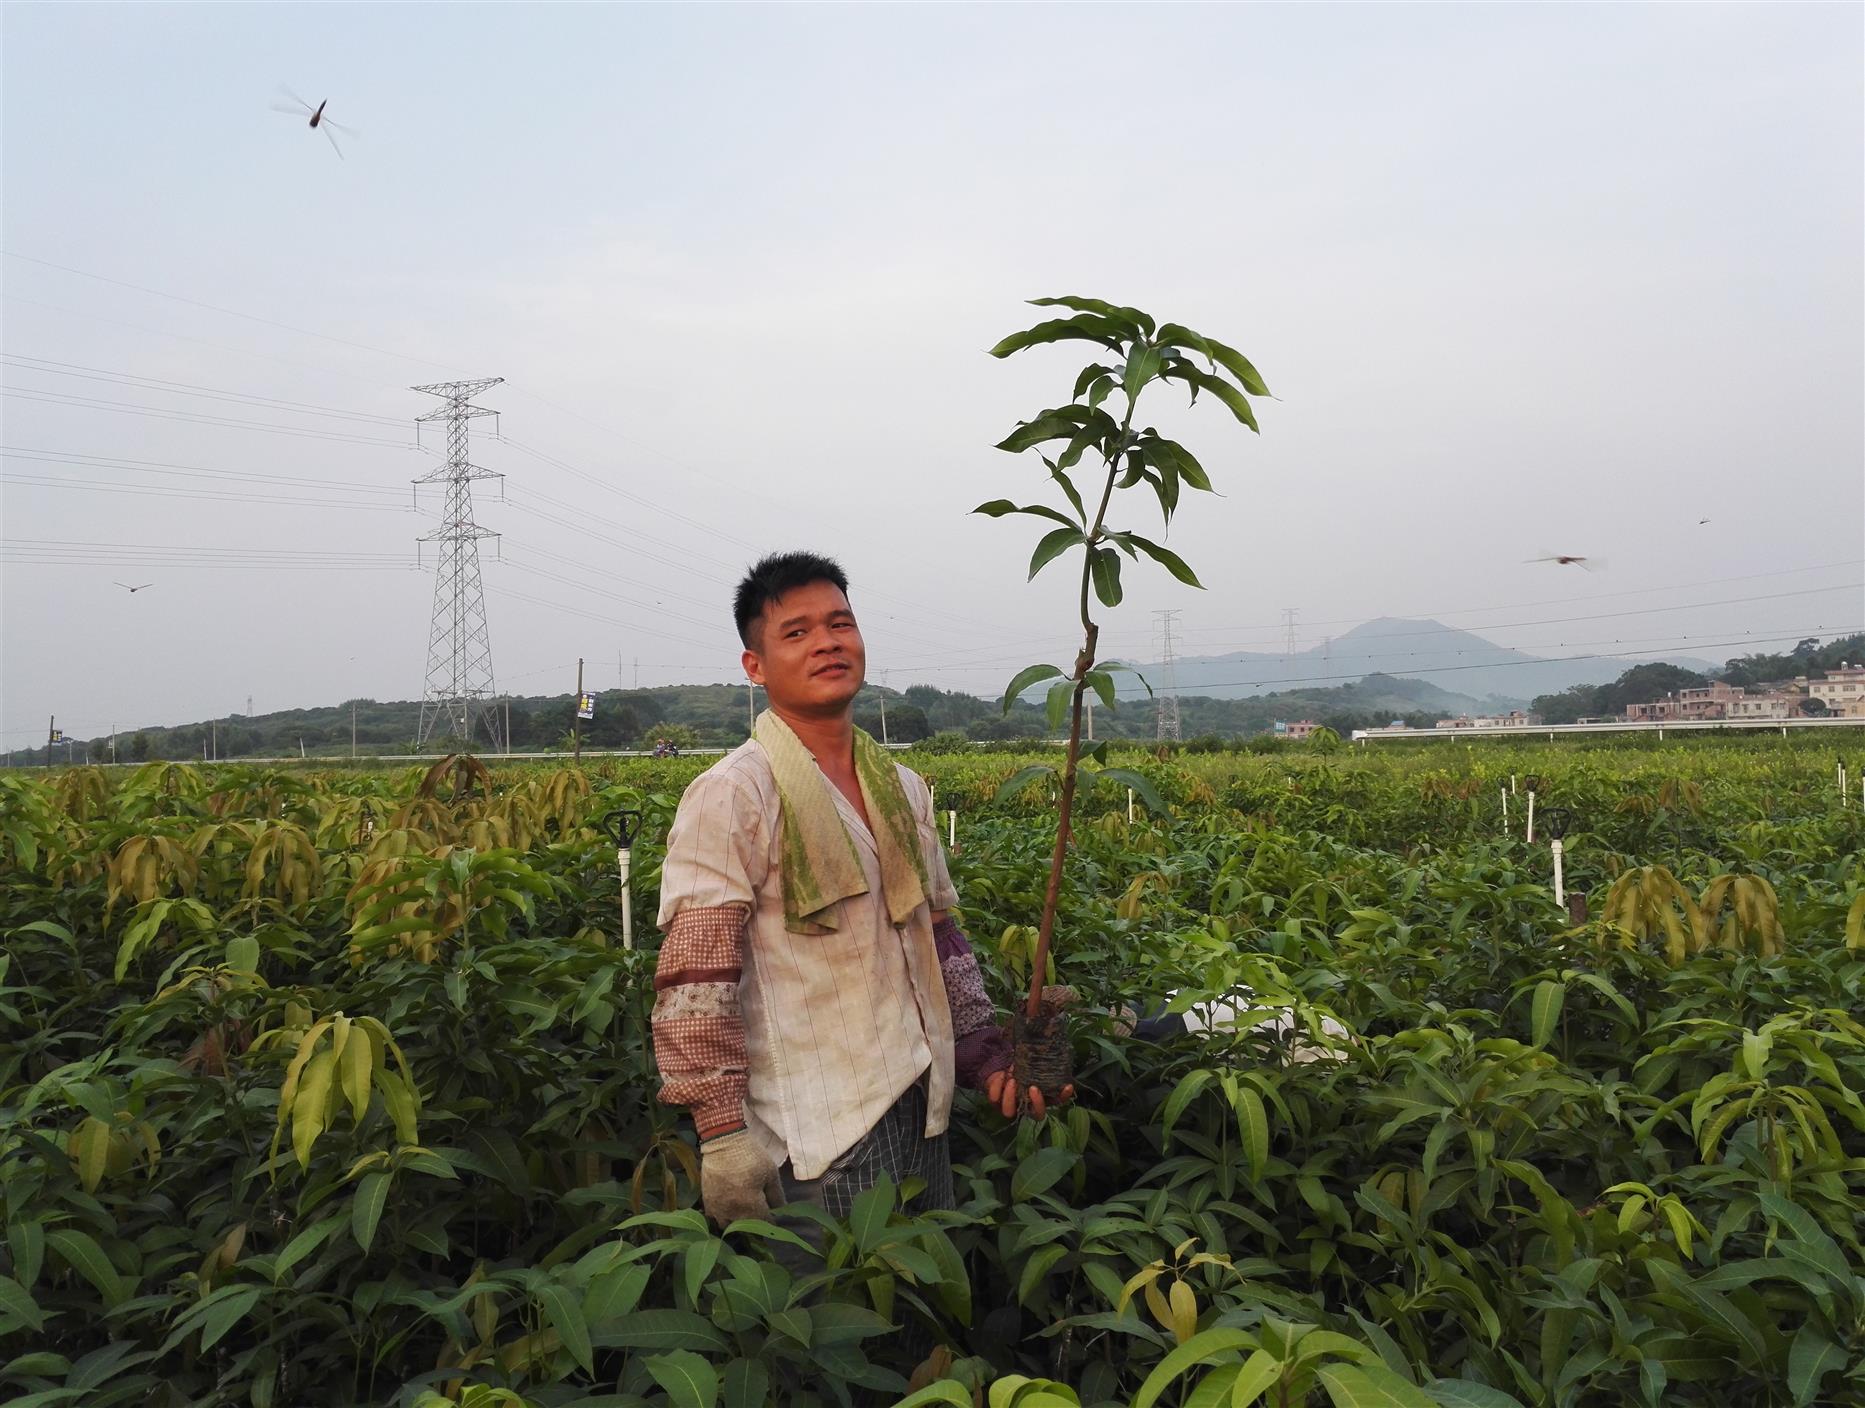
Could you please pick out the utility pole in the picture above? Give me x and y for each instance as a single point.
(51, 737)
(1166, 699)
(508, 725)
(751, 708)
(459, 690)
(113, 743)
(352, 728)
(576, 724)
(881, 690)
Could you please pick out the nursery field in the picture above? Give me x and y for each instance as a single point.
(335, 1087)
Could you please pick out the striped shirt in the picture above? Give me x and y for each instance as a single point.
(804, 1039)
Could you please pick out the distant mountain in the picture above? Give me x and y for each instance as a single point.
(1458, 662)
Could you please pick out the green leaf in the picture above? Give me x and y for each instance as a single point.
(1053, 544)
(998, 508)
(1026, 677)
(80, 1252)
(1142, 787)
(868, 1219)
(1166, 558)
(1142, 366)
(690, 1381)
(1021, 779)
(792, 1324)
(1036, 1268)
(1258, 1374)
(944, 1391)
(1238, 365)
(1370, 1386)
(663, 1329)
(243, 953)
(1104, 567)
(1238, 403)
(306, 1242)
(1040, 1172)
(1084, 327)
(1133, 316)
(26, 1241)
(1182, 1095)
(566, 1318)
(227, 1313)
(1464, 1393)
(1252, 1128)
(1549, 997)
(696, 1264)
(1067, 486)
(1205, 1347)
(17, 1301)
(746, 1383)
(1811, 1358)
(92, 1143)
(366, 1210)
(1056, 706)
(1102, 683)
(614, 1293)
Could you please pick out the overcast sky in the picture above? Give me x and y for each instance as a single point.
(1525, 280)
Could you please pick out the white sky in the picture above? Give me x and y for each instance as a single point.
(1526, 280)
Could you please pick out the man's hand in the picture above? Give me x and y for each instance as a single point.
(736, 1178)
(1001, 1090)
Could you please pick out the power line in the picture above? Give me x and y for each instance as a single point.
(1554, 601)
(135, 382)
(243, 352)
(168, 467)
(228, 312)
(39, 481)
(984, 662)
(89, 403)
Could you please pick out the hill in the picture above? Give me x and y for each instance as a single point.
(1459, 661)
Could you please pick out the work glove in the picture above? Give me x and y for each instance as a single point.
(736, 1178)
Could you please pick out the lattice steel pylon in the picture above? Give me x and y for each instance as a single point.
(459, 692)
(1166, 693)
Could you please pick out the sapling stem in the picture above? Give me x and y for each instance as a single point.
(1084, 662)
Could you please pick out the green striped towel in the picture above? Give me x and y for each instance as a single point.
(820, 865)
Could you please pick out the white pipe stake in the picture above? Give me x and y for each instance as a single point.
(1531, 816)
(951, 831)
(628, 910)
(1560, 887)
(1505, 811)
(1129, 806)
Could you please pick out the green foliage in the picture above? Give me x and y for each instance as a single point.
(1443, 1146)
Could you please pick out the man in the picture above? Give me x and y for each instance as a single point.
(816, 1002)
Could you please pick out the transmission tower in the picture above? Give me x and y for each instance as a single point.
(1166, 696)
(459, 689)
(1288, 633)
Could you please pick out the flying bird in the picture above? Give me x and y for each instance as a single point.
(1567, 559)
(318, 122)
(1701, 522)
(133, 590)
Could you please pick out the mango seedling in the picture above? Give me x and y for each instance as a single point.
(1137, 352)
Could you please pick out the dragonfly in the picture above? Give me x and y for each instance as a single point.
(133, 590)
(298, 106)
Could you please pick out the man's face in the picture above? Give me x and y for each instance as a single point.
(807, 651)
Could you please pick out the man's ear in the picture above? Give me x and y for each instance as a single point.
(754, 667)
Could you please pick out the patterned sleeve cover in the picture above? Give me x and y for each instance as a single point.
(980, 1047)
(699, 1031)
(707, 891)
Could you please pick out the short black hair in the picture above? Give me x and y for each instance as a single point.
(775, 575)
